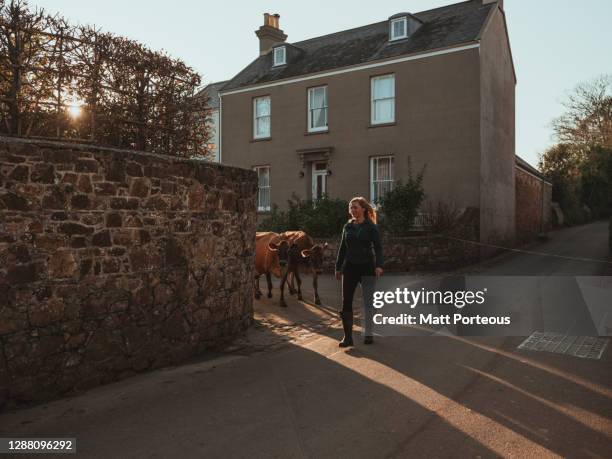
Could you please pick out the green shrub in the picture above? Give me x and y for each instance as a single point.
(321, 218)
(577, 215)
(276, 221)
(401, 204)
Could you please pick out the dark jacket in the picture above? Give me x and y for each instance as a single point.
(357, 243)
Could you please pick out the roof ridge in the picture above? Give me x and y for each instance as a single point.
(375, 23)
(213, 83)
(445, 6)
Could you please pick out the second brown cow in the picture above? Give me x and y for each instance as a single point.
(305, 256)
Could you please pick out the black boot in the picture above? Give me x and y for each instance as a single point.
(347, 325)
(368, 340)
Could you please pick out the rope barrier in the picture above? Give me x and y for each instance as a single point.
(530, 252)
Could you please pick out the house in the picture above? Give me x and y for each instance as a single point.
(347, 113)
(212, 92)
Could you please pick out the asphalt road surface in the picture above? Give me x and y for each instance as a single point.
(286, 390)
(566, 253)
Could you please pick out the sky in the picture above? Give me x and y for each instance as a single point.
(556, 44)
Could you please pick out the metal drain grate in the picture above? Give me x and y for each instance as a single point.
(586, 347)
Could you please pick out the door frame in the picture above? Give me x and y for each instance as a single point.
(314, 174)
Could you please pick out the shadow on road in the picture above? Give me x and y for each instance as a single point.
(559, 403)
(304, 397)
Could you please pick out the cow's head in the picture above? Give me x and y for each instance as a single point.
(281, 250)
(315, 256)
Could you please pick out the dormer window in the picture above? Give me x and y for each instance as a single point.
(398, 28)
(280, 56)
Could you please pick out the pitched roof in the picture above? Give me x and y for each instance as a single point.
(520, 162)
(212, 91)
(442, 27)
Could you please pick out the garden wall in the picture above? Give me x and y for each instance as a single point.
(533, 205)
(114, 262)
(416, 253)
(430, 252)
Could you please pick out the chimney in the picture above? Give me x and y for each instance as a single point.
(269, 33)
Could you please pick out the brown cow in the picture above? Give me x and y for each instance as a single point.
(306, 256)
(271, 257)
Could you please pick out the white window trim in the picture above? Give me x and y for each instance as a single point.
(372, 100)
(322, 128)
(372, 169)
(255, 117)
(284, 54)
(269, 187)
(392, 23)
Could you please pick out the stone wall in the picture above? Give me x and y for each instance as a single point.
(447, 249)
(114, 262)
(415, 253)
(533, 211)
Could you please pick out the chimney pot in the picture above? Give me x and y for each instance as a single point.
(269, 33)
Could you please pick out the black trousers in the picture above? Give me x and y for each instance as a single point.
(351, 276)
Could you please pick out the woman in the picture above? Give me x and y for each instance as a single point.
(355, 259)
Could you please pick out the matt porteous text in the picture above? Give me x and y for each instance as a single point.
(414, 298)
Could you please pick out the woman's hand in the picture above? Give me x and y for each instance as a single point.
(378, 272)
(338, 275)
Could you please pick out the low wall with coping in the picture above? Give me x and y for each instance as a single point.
(448, 249)
(415, 253)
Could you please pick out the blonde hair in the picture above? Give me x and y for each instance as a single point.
(370, 212)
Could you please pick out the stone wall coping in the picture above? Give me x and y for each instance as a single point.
(90, 148)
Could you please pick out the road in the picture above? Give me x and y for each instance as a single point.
(286, 390)
(568, 250)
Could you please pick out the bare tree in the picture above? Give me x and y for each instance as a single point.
(77, 83)
(588, 119)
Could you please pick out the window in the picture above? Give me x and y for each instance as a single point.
(381, 177)
(399, 28)
(263, 194)
(383, 99)
(261, 117)
(317, 109)
(213, 141)
(280, 55)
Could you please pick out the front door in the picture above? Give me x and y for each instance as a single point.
(319, 180)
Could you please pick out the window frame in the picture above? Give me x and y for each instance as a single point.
(276, 63)
(309, 110)
(373, 160)
(268, 187)
(392, 22)
(255, 118)
(374, 122)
